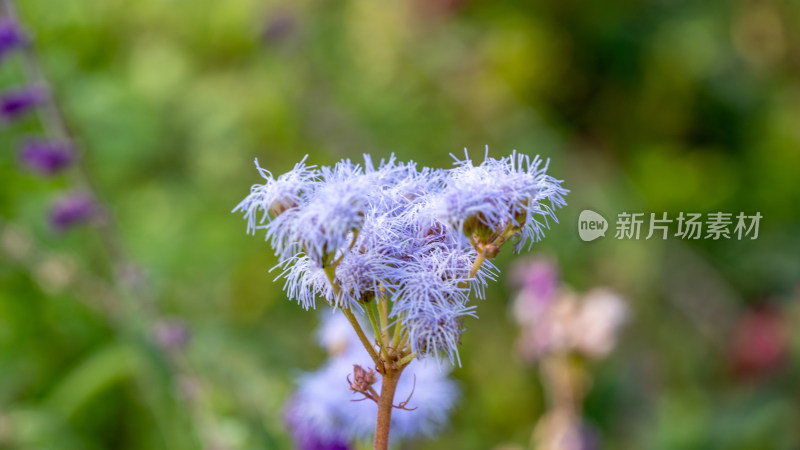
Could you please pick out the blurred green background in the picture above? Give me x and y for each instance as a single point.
(642, 106)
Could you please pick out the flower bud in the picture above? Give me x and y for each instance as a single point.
(521, 214)
(362, 378)
(490, 251)
(475, 228)
(278, 207)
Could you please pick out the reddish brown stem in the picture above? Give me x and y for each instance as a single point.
(388, 387)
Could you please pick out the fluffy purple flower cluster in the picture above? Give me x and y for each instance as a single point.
(321, 414)
(419, 238)
(44, 156)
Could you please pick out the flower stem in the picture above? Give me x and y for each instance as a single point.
(329, 271)
(378, 330)
(388, 388)
(477, 264)
(407, 359)
(384, 316)
(403, 340)
(363, 338)
(398, 329)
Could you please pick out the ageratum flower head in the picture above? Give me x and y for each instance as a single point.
(305, 281)
(418, 239)
(498, 199)
(324, 226)
(437, 329)
(365, 273)
(276, 195)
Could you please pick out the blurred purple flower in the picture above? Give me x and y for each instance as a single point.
(538, 281)
(306, 435)
(537, 275)
(11, 36)
(279, 26)
(171, 334)
(17, 102)
(46, 157)
(72, 210)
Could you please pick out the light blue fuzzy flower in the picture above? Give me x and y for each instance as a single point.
(402, 185)
(437, 329)
(431, 299)
(277, 194)
(406, 235)
(365, 273)
(428, 279)
(305, 281)
(514, 191)
(323, 226)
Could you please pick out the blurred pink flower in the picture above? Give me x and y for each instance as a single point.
(556, 320)
(759, 343)
(538, 281)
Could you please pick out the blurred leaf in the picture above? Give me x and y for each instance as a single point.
(97, 371)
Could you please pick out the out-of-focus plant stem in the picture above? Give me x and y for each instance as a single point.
(134, 308)
(55, 125)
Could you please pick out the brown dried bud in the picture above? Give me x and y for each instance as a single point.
(278, 207)
(362, 378)
(490, 251)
